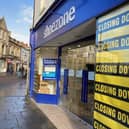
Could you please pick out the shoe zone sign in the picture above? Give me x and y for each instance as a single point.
(60, 22)
(111, 107)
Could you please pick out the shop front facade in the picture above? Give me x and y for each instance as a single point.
(67, 67)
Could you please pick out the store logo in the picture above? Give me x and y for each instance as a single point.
(63, 20)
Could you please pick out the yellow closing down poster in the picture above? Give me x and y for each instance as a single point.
(111, 98)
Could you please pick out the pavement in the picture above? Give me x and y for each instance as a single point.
(61, 117)
(16, 110)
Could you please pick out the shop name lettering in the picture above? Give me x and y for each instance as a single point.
(63, 20)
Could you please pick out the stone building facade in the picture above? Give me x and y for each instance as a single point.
(4, 42)
(11, 56)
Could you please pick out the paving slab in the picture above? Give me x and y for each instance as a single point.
(16, 110)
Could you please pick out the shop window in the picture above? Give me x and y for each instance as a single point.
(45, 74)
(79, 97)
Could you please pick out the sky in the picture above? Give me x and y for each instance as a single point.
(18, 17)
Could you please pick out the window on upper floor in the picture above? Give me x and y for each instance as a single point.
(11, 50)
(1, 34)
(3, 50)
(7, 50)
(5, 35)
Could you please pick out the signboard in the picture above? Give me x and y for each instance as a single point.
(49, 61)
(71, 73)
(91, 75)
(49, 69)
(62, 71)
(69, 15)
(60, 22)
(79, 73)
(111, 107)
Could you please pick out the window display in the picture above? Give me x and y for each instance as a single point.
(45, 74)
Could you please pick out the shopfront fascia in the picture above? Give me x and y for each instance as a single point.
(69, 15)
(68, 23)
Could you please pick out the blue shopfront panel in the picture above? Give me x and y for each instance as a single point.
(31, 63)
(79, 11)
(84, 91)
(45, 98)
(49, 75)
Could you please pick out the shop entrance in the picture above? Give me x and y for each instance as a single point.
(77, 79)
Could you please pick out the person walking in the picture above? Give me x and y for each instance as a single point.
(11, 70)
(19, 72)
(22, 72)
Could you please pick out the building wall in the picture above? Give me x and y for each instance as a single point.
(41, 7)
(4, 38)
(10, 49)
(19, 53)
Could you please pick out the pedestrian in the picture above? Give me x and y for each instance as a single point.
(19, 73)
(22, 71)
(25, 73)
(11, 70)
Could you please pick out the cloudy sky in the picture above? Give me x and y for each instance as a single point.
(18, 16)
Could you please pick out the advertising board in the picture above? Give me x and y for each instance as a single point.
(111, 107)
(49, 69)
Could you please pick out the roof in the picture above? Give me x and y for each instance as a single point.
(3, 23)
(20, 44)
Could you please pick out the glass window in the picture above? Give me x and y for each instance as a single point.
(76, 58)
(5, 35)
(1, 34)
(45, 74)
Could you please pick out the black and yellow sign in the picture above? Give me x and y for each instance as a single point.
(111, 106)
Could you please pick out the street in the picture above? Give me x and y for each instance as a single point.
(16, 110)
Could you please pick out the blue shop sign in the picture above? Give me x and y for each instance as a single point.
(70, 14)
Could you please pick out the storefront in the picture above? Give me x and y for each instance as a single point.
(46, 80)
(63, 50)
